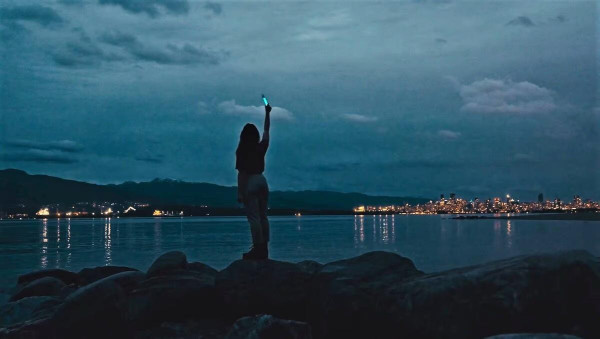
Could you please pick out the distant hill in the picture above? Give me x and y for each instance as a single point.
(18, 187)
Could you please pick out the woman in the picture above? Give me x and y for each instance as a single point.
(253, 190)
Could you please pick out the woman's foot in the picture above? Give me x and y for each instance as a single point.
(257, 252)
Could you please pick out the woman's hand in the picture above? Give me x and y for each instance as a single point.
(268, 109)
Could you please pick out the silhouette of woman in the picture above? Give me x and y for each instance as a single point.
(253, 190)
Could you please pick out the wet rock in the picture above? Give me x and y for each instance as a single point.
(94, 310)
(190, 329)
(27, 309)
(264, 286)
(89, 275)
(309, 266)
(538, 293)
(377, 266)
(46, 286)
(345, 293)
(268, 327)
(169, 261)
(65, 276)
(172, 297)
(533, 336)
(201, 268)
(67, 290)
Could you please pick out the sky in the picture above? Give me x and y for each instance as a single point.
(408, 98)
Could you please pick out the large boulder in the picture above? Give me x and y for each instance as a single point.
(533, 336)
(201, 268)
(89, 275)
(95, 310)
(170, 261)
(537, 293)
(65, 276)
(176, 296)
(265, 326)
(344, 293)
(27, 309)
(264, 286)
(46, 286)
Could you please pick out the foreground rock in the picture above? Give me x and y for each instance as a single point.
(375, 295)
(268, 327)
(46, 286)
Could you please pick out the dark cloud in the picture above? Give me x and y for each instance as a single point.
(82, 52)
(150, 159)
(40, 156)
(60, 145)
(44, 16)
(216, 8)
(441, 41)
(150, 7)
(521, 21)
(559, 18)
(186, 54)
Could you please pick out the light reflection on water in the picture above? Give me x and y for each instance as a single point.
(434, 243)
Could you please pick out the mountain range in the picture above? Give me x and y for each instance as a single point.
(20, 188)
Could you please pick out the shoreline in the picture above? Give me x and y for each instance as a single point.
(582, 216)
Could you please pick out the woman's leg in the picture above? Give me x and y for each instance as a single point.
(262, 208)
(252, 205)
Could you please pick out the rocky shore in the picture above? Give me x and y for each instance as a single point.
(375, 295)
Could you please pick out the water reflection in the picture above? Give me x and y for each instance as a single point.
(508, 234)
(69, 242)
(107, 240)
(44, 258)
(384, 229)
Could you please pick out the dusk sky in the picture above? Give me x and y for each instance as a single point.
(410, 98)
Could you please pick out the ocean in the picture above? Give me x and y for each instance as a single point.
(433, 242)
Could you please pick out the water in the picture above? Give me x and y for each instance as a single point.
(434, 242)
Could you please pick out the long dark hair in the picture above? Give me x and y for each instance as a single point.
(249, 138)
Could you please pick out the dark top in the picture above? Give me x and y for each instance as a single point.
(252, 161)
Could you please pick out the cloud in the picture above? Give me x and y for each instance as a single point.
(559, 18)
(44, 16)
(60, 145)
(82, 52)
(41, 156)
(521, 21)
(506, 96)
(231, 108)
(448, 134)
(215, 7)
(186, 54)
(441, 41)
(150, 7)
(150, 159)
(358, 117)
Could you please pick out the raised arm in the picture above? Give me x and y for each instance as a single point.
(267, 123)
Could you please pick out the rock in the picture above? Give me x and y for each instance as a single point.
(268, 327)
(309, 266)
(27, 309)
(201, 268)
(538, 293)
(65, 276)
(533, 336)
(344, 293)
(190, 329)
(169, 261)
(89, 275)
(175, 296)
(67, 290)
(372, 266)
(264, 286)
(95, 310)
(46, 286)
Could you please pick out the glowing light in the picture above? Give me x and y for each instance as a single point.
(43, 211)
(129, 209)
(157, 213)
